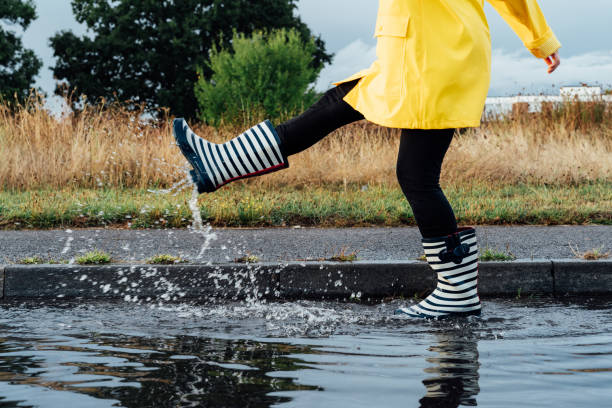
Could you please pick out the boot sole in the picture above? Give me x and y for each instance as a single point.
(443, 317)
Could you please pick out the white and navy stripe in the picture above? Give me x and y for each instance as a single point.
(256, 151)
(457, 288)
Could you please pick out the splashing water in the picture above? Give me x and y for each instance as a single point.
(175, 189)
(242, 283)
(198, 226)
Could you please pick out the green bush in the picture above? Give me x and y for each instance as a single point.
(266, 75)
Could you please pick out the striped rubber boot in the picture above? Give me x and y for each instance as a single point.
(455, 259)
(257, 151)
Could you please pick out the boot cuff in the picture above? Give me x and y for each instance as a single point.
(462, 233)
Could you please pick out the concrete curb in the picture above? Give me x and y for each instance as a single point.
(295, 280)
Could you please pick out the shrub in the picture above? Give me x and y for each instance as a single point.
(265, 75)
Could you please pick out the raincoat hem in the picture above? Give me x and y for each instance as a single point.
(402, 124)
(415, 124)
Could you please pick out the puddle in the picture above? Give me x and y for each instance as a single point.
(303, 354)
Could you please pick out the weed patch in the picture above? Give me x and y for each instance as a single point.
(34, 260)
(37, 260)
(94, 258)
(247, 259)
(489, 254)
(165, 259)
(594, 254)
(344, 256)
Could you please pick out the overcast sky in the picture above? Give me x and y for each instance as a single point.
(584, 27)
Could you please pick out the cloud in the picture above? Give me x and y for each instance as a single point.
(513, 72)
(349, 60)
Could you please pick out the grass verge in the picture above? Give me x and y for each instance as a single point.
(243, 205)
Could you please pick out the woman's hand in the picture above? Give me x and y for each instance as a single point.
(553, 62)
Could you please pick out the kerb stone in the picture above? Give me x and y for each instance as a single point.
(1, 281)
(332, 280)
(511, 278)
(161, 282)
(576, 277)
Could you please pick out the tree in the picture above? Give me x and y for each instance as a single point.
(148, 51)
(18, 66)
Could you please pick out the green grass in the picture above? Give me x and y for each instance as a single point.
(165, 259)
(241, 205)
(34, 260)
(489, 254)
(37, 260)
(247, 259)
(94, 258)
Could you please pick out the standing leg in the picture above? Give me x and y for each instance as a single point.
(451, 252)
(418, 170)
(263, 148)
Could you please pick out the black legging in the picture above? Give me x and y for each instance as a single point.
(419, 161)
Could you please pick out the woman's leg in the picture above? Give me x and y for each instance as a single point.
(418, 170)
(451, 252)
(263, 148)
(328, 114)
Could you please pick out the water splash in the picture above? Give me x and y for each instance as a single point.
(197, 225)
(174, 189)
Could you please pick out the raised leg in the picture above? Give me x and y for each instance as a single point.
(322, 118)
(263, 148)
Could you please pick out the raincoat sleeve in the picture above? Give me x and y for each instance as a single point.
(527, 20)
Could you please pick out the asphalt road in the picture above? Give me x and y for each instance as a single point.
(292, 244)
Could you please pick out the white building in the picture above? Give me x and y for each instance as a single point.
(581, 91)
(503, 105)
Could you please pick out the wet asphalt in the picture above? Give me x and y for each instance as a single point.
(291, 244)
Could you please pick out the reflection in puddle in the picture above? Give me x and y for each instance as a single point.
(454, 371)
(139, 372)
(329, 355)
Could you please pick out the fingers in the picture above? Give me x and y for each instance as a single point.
(553, 62)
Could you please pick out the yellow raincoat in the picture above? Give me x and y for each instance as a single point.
(434, 61)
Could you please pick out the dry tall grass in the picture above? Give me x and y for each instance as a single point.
(111, 147)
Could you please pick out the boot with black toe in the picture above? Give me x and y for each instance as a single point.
(255, 152)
